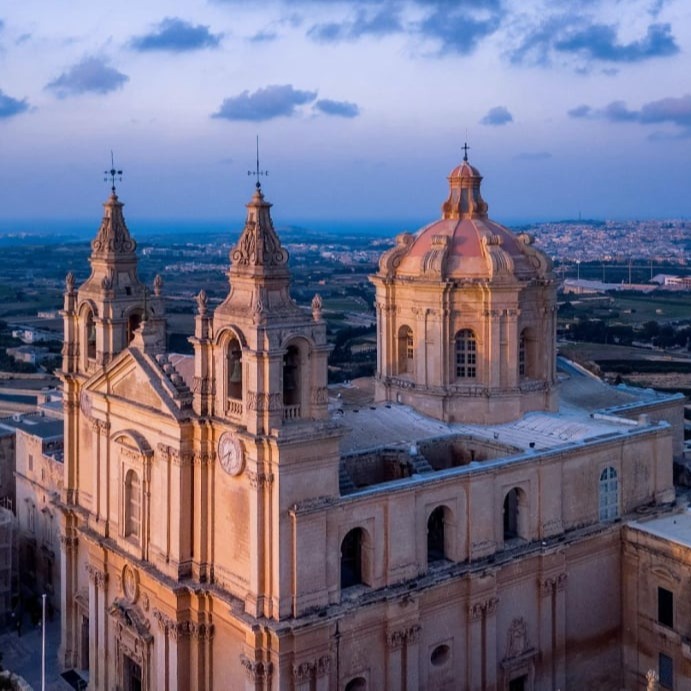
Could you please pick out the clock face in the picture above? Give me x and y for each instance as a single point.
(230, 454)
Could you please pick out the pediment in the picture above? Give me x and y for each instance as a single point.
(137, 382)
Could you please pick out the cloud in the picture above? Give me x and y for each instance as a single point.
(11, 106)
(672, 110)
(499, 115)
(382, 23)
(264, 36)
(343, 109)
(599, 42)
(178, 36)
(91, 75)
(533, 156)
(264, 104)
(458, 32)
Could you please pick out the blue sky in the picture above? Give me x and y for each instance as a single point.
(361, 107)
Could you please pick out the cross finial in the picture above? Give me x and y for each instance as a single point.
(465, 148)
(257, 172)
(113, 174)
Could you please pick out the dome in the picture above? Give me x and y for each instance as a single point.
(465, 244)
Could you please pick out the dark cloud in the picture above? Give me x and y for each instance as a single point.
(670, 111)
(344, 109)
(272, 101)
(499, 115)
(11, 106)
(599, 42)
(458, 32)
(178, 36)
(381, 23)
(533, 156)
(91, 75)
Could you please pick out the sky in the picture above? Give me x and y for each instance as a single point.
(361, 107)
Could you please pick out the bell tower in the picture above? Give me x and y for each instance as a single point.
(102, 316)
(260, 381)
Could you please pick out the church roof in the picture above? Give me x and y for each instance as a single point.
(465, 244)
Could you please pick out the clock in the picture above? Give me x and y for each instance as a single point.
(230, 454)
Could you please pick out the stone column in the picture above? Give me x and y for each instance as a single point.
(258, 674)
(412, 670)
(98, 644)
(69, 614)
(394, 660)
(475, 656)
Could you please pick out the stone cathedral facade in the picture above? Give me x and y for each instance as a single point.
(227, 524)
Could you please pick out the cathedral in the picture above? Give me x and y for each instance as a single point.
(229, 522)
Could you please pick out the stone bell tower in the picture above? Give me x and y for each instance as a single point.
(260, 379)
(103, 314)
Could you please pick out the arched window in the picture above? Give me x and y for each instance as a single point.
(133, 322)
(609, 494)
(291, 376)
(521, 355)
(358, 684)
(511, 502)
(133, 505)
(90, 329)
(351, 558)
(406, 350)
(436, 550)
(235, 370)
(466, 354)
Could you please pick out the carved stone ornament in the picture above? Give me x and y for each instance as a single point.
(202, 302)
(517, 638)
(85, 403)
(256, 670)
(158, 285)
(316, 307)
(230, 454)
(69, 283)
(130, 584)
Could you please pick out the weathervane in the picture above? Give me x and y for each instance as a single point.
(258, 173)
(113, 174)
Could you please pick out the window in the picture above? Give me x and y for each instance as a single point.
(31, 462)
(132, 505)
(511, 515)
(521, 355)
(665, 607)
(440, 655)
(291, 376)
(466, 354)
(235, 370)
(406, 350)
(351, 558)
(666, 671)
(358, 684)
(90, 335)
(133, 322)
(31, 518)
(435, 535)
(609, 494)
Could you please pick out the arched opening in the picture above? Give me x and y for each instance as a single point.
(291, 376)
(406, 350)
(521, 355)
(90, 332)
(609, 494)
(527, 347)
(357, 684)
(352, 558)
(133, 506)
(466, 354)
(436, 535)
(234, 369)
(133, 322)
(513, 506)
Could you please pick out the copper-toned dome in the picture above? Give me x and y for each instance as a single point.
(465, 243)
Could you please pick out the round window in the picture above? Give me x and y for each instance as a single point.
(440, 655)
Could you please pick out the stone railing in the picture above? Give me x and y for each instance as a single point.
(291, 412)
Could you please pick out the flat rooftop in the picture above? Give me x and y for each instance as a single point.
(587, 411)
(675, 528)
